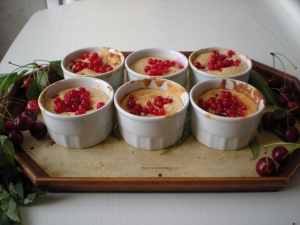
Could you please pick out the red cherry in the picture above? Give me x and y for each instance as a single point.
(33, 105)
(27, 82)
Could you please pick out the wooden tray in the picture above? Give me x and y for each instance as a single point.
(115, 166)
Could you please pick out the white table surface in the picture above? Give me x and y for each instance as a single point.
(255, 28)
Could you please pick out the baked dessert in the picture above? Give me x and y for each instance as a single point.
(151, 102)
(221, 64)
(91, 63)
(76, 101)
(237, 102)
(156, 66)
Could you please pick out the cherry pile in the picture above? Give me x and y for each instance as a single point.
(157, 67)
(92, 62)
(225, 104)
(286, 123)
(26, 121)
(266, 166)
(156, 109)
(77, 101)
(218, 61)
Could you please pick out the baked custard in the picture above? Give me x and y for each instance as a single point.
(156, 66)
(151, 102)
(76, 101)
(221, 64)
(240, 101)
(92, 63)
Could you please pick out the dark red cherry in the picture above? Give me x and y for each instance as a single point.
(275, 82)
(8, 126)
(16, 137)
(285, 89)
(38, 129)
(268, 120)
(287, 121)
(265, 167)
(280, 154)
(23, 122)
(30, 113)
(293, 108)
(291, 134)
(284, 99)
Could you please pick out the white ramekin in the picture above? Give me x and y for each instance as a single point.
(151, 133)
(224, 133)
(198, 75)
(115, 77)
(180, 77)
(78, 131)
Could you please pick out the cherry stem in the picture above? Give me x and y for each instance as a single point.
(282, 143)
(272, 53)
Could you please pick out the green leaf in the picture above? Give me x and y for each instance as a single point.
(6, 152)
(255, 147)
(56, 65)
(4, 220)
(34, 90)
(16, 189)
(30, 198)
(278, 113)
(257, 81)
(7, 81)
(42, 78)
(9, 205)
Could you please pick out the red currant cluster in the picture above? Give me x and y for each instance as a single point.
(218, 61)
(157, 109)
(77, 101)
(225, 104)
(159, 67)
(92, 62)
(287, 122)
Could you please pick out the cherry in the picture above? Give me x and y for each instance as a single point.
(33, 105)
(265, 167)
(26, 82)
(287, 121)
(38, 129)
(268, 120)
(8, 126)
(275, 82)
(23, 122)
(284, 99)
(285, 89)
(30, 113)
(16, 137)
(291, 134)
(280, 154)
(293, 108)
